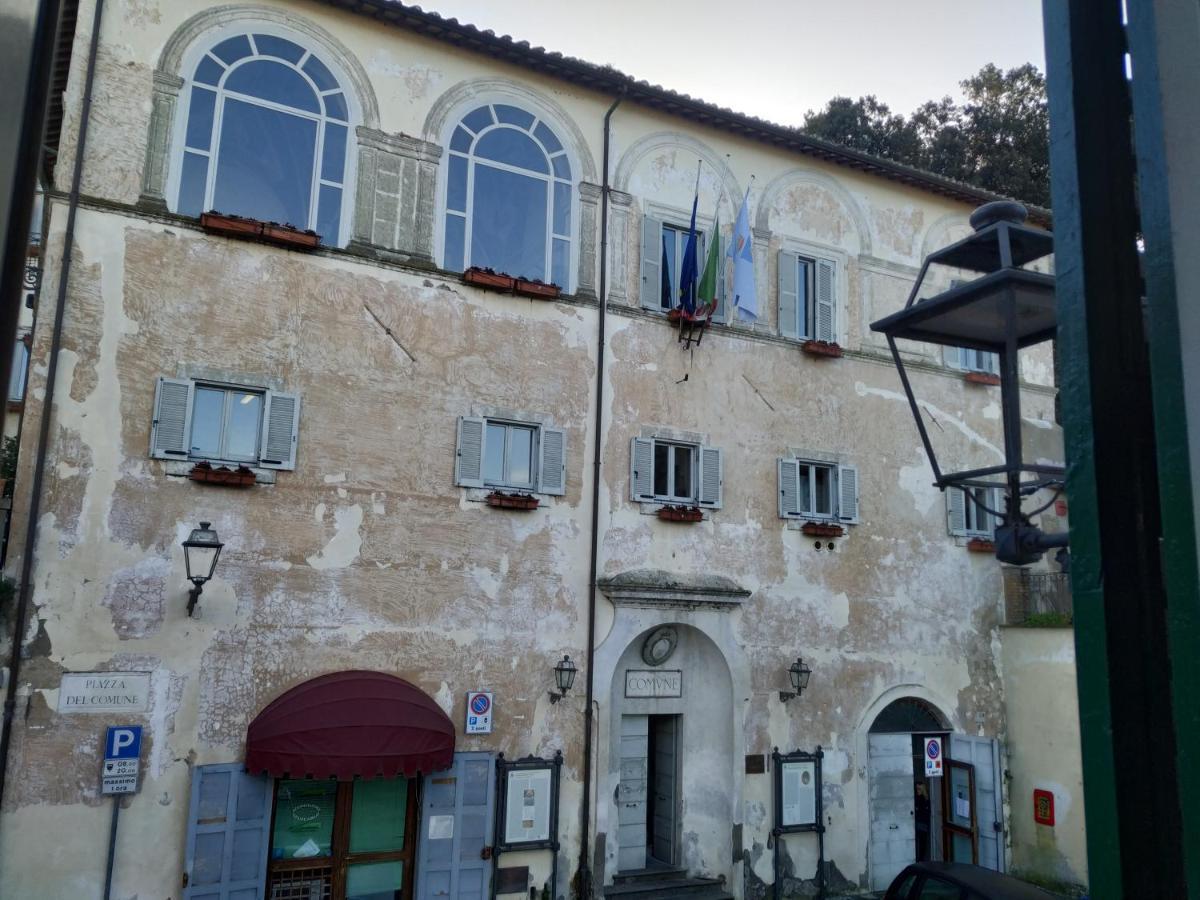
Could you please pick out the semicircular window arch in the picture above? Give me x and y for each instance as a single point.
(267, 136)
(508, 196)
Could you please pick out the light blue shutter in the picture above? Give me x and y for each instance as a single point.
(825, 318)
(952, 357)
(848, 494)
(711, 477)
(456, 824)
(641, 469)
(789, 305)
(229, 825)
(281, 424)
(652, 251)
(172, 425)
(956, 511)
(789, 488)
(984, 755)
(553, 469)
(468, 458)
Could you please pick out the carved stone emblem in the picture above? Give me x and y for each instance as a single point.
(659, 645)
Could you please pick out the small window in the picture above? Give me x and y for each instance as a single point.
(521, 456)
(975, 360)
(810, 489)
(663, 247)
(806, 297)
(675, 472)
(20, 369)
(972, 511)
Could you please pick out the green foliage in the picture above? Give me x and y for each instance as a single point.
(8, 459)
(997, 139)
(1047, 620)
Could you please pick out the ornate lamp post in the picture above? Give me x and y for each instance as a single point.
(564, 677)
(1005, 310)
(799, 673)
(201, 551)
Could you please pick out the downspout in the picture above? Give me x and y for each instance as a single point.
(39, 467)
(585, 870)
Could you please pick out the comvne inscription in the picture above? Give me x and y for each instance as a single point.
(97, 692)
(653, 683)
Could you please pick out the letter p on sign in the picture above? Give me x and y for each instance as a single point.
(123, 742)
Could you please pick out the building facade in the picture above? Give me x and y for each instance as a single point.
(367, 431)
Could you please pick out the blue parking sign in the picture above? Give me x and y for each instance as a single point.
(123, 742)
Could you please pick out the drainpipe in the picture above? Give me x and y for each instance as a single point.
(24, 587)
(585, 870)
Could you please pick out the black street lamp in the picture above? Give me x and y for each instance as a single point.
(200, 553)
(799, 673)
(564, 677)
(1005, 310)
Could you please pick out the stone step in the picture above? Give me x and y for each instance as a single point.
(655, 873)
(666, 888)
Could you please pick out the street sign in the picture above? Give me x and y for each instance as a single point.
(122, 747)
(479, 712)
(933, 757)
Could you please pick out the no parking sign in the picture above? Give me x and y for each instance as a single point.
(933, 757)
(479, 712)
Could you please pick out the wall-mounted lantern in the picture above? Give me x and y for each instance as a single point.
(564, 677)
(1005, 310)
(201, 551)
(798, 673)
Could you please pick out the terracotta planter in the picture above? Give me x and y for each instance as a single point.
(981, 545)
(239, 477)
(486, 278)
(822, 348)
(230, 226)
(502, 500)
(982, 378)
(270, 232)
(681, 514)
(287, 236)
(822, 529)
(537, 289)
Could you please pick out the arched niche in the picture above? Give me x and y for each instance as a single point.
(661, 167)
(801, 203)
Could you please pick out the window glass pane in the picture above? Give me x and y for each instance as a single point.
(461, 140)
(455, 236)
(562, 168)
(560, 267)
(515, 148)
(375, 881)
(303, 819)
(245, 421)
(200, 118)
(16, 379)
(192, 184)
(493, 454)
(377, 815)
(456, 184)
(333, 162)
(209, 71)
(233, 49)
(520, 456)
(265, 165)
(329, 215)
(208, 409)
(562, 209)
(960, 797)
(508, 226)
(667, 293)
(269, 45)
(320, 74)
(803, 299)
(682, 486)
(479, 119)
(823, 492)
(275, 82)
(805, 488)
(662, 468)
(546, 136)
(335, 107)
(514, 116)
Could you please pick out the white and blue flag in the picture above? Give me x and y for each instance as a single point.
(745, 295)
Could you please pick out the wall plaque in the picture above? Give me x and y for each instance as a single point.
(102, 692)
(653, 683)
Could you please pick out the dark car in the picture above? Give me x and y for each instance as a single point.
(959, 881)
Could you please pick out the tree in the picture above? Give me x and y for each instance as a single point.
(997, 139)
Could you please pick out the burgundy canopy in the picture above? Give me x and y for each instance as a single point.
(351, 723)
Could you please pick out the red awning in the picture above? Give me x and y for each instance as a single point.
(351, 724)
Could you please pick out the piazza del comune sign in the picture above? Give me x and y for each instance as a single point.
(653, 683)
(104, 692)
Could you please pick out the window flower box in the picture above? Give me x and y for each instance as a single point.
(539, 289)
(287, 236)
(822, 529)
(486, 278)
(822, 348)
(271, 232)
(681, 514)
(501, 500)
(982, 378)
(205, 472)
(981, 545)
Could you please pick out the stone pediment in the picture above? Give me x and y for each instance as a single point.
(656, 589)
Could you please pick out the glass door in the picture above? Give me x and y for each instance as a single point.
(959, 829)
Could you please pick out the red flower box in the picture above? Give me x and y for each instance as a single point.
(287, 236)
(239, 477)
(822, 529)
(270, 232)
(230, 226)
(496, 281)
(982, 378)
(537, 289)
(981, 545)
(681, 514)
(502, 500)
(822, 348)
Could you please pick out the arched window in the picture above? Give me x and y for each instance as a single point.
(267, 136)
(508, 196)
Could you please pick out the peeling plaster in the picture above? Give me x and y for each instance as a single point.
(343, 547)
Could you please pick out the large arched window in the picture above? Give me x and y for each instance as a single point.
(266, 136)
(508, 196)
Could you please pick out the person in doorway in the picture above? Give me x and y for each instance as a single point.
(922, 820)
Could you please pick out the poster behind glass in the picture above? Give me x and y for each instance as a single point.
(799, 793)
(527, 806)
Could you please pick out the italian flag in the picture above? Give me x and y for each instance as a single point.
(706, 290)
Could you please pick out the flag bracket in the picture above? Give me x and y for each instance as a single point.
(691, 325)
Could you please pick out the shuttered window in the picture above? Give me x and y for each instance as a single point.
(663, 245)
(520, 456)
(807, 309)
(814, 490)
(666, 471)
(973, 515)
(198, 420)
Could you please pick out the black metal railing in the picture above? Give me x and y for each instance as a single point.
(1037, 598)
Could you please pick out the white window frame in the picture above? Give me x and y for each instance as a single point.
(813, 253)
(548, 448)
(535, 447)
(808, 468)
(193, 57)
(806, 463)
(993, 497)
(971, 360)
(228, 390)
(672, 217)
(671, 497)
(19, 374)
(681, 236)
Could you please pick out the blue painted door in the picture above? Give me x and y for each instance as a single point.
(456, 825)
(229, 821)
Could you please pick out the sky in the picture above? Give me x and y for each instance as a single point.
(777, 59)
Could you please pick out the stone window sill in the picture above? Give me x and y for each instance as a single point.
(182, 468)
